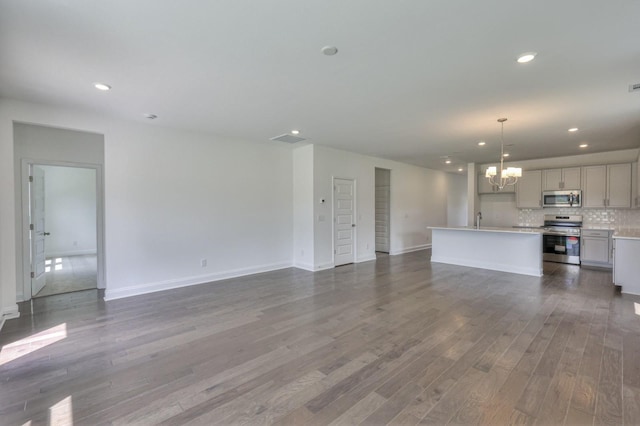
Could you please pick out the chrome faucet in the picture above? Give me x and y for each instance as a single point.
(478, 219)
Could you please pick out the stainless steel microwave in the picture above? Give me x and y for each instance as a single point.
(570, 198)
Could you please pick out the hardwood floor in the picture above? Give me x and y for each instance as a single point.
(396, 341)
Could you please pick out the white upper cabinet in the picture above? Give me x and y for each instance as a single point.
(556, 179)
(594, 186)
(529, 190)
(619, 185)
(606, 186)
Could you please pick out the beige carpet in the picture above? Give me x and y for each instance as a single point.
(67, 274)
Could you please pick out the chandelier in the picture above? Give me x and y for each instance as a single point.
(508, 176)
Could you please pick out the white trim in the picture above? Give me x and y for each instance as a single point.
(305, 266)
(71, 253)
(410, 249)
(189, 281)
(324, 266)
(503, 267)
(367, 258)
(9, 313)
(312, 268)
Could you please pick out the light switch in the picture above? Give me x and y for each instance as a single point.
(321, 218)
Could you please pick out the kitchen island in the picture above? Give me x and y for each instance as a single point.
(517, 250)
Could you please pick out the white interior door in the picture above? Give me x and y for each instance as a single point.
(344, 221)
(38, 234)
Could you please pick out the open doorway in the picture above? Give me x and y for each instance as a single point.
(63, 239)
(383, 210)
(38, 146)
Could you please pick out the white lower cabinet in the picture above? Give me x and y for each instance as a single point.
(596, 248)
(626, 271)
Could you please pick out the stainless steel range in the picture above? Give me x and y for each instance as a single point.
(561, 238)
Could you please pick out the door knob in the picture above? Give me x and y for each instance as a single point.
(353, 225)
(47, 233)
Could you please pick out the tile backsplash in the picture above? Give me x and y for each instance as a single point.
(612, 218)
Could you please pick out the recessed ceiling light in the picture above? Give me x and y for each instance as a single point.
(295, 132)
(447, 161)
(329, 50)
(526, 57)
(460, 169)
(150, 116)
(584, 145)
(506, 154)
(573, 129)
(102, 86)
(482, 143)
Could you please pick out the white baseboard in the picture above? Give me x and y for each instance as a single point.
(535, 272)
(366, 258)
(7, 313)
(71, 253)
(410, 249)
(305, 266)
(324, 266)
(112, 294)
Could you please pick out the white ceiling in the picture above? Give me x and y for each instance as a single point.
(414, 80)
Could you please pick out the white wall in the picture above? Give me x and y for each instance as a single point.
(457, 200)
(418, 200)
(172, 198)
(473, 199)
(70, 211)
(303, 201)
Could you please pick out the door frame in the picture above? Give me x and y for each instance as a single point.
(27, 163)
(333, 218)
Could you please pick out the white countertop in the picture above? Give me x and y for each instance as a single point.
(627, 234)
(624, 233)
(509, 230)
(600, 227)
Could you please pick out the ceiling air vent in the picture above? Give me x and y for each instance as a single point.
(288, 138)
(634, 87)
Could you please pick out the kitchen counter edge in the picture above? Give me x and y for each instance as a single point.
(627, 234)
(490, 229)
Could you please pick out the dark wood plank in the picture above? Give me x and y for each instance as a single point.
(609, 401)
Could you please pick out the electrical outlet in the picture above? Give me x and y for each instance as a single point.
(203, 262)
(367, 246)
(75, 244)
(302, 253)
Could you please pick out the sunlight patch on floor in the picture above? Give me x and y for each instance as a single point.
(61, 413)
(32, 343)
